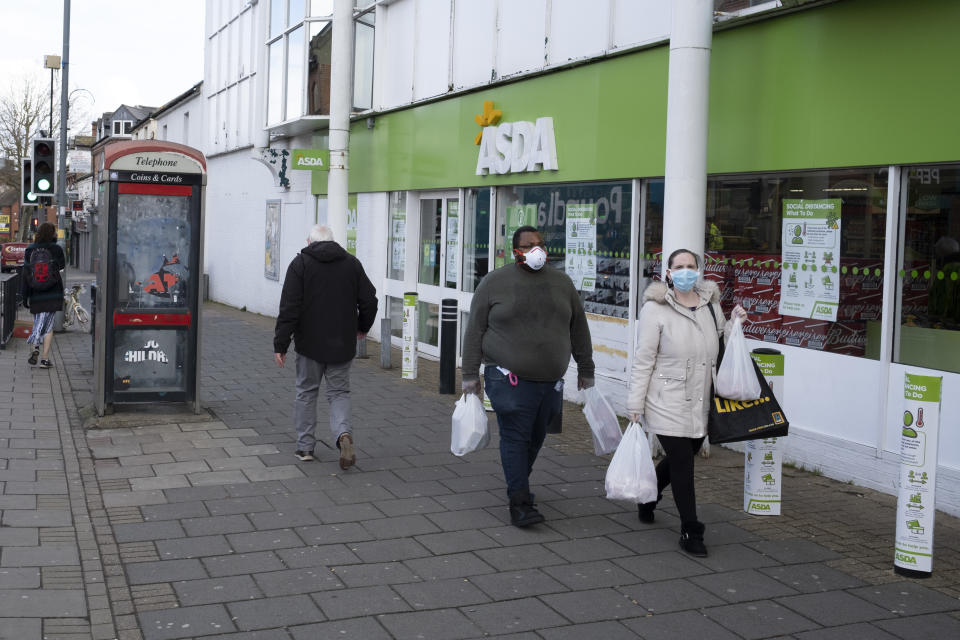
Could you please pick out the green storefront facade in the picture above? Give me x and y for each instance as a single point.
(851, 102)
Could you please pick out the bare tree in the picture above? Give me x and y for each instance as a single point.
(24, 113)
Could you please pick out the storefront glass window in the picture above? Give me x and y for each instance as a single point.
(802, 252)
(398, 235)
(586, 228)
(429, 259)
(929, 276)
(476, 237)
(452, 240)
(395, 311)
(428, 323)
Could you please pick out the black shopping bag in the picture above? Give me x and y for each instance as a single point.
(738, 420)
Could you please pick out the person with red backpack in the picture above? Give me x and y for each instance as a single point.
(41, 288)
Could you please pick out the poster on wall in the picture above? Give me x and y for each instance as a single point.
(271, 247)
(581, 263)
(916, 503)
(398, 238)
(351, 224)
(453, 239)
(810, 286)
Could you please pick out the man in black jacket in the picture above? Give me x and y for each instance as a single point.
(326, 304)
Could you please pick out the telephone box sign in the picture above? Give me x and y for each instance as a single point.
(916, 505)
(157, 161)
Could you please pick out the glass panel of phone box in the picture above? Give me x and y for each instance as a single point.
(745, 231)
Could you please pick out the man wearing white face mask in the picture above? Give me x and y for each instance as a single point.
(526, 320)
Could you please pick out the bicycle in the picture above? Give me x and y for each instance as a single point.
(74, 313)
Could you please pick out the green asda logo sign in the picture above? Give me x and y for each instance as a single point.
(311, 159)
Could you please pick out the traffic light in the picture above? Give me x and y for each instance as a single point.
(27, 197)
(44, 167)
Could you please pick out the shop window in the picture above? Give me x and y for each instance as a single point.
(586, 228)
(476, 237)
(929, 275)
(397, 235)
(429, 258)
(802, 252)
(395, 313)
(428, 323)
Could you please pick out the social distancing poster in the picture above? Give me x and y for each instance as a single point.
(810, 282)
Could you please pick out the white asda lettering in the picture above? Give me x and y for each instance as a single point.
(304, 161)
(515, 147)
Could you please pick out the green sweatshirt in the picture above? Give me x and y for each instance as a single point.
(527, 322)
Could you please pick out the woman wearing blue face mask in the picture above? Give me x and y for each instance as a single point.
(678, 339)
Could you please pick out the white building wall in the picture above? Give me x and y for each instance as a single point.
(183, 124)
(497, 39)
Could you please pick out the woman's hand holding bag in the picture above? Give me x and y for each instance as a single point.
(469, 430)
(737, 377)
(631, 475)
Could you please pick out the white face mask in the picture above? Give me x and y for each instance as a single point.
(535, 258)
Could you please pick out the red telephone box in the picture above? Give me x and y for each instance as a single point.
(147, 330)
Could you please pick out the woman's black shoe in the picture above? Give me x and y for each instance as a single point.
(691, 539)
(645, 511)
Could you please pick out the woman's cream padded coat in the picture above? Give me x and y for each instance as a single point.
(670, 384)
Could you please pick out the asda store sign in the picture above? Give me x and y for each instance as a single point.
(515, 147)
(310, 159)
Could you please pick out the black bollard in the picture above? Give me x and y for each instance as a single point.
(448, 345)
(385, 340)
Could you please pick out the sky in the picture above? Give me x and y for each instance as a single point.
(137, 52)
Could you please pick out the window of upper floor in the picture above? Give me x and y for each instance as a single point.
(298, 45)
(122, 127)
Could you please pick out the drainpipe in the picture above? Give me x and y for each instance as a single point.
(341, 104)
(688, 92)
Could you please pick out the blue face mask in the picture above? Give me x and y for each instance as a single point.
(684, 279)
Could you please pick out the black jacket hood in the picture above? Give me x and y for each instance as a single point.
(327, 251)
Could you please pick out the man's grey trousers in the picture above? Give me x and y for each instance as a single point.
(309, 374)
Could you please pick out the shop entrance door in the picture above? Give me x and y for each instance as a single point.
(438, 263)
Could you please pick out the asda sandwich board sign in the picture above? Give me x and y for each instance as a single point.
(310, 159)
(916, 502)
(763, 459)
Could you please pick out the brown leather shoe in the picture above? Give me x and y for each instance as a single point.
(348, 457)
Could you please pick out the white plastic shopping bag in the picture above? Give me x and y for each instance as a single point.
(631, 475)
(603, 422)
(737, 378)
(469, 426)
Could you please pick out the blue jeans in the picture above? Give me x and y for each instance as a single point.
(523, 413)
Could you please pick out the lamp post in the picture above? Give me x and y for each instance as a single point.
(52, 63)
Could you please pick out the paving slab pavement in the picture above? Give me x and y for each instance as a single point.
(165, 524)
